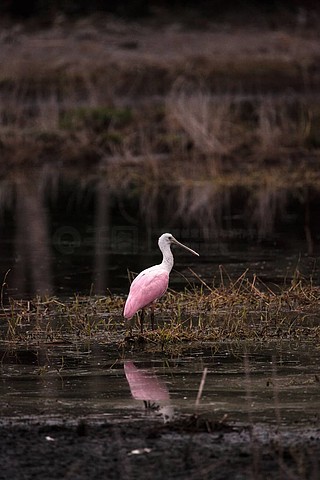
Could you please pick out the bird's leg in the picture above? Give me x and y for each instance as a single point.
(152, 317)
(141, 318)
(130, 328)
(129, 335)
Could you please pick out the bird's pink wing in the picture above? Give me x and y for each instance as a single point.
(144, 385)
(145, 290)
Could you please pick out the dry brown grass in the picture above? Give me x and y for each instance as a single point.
(205, 120)
(107, 63)
(190, 127)
(118, 51)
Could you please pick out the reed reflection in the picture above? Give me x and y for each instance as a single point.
(32, 272)
(101, 238)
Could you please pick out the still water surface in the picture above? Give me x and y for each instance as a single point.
(278, 383)
(64, 234)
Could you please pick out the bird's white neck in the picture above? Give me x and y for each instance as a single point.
(167, 260)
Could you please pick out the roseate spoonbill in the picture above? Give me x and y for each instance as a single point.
(152, 282)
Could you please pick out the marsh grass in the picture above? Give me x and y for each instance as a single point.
(188, 122)
(91, 97)
(206, 121)
(244, 309)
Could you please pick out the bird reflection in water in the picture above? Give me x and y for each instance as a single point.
(147, 387)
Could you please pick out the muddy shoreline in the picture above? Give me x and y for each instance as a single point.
(40, 447)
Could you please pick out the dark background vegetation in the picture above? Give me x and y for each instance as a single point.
(215, 9)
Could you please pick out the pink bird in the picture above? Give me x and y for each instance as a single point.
(152, 282)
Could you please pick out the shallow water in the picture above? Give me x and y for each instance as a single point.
(64, 233)
(276, 383)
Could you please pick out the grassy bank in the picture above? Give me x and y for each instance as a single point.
(245, 309)
(96, 90)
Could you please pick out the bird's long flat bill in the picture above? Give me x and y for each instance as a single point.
(185, 247)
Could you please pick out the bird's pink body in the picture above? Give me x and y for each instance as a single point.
(147, 287)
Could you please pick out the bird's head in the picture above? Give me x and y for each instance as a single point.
(167, 239)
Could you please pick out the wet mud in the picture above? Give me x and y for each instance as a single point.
(85, 448)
